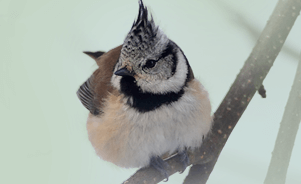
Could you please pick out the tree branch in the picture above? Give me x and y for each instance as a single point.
(248, 81)
(253, 72)
(287, 134)
(200, 173)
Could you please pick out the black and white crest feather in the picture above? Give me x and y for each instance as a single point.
(143, 35)
(142, 20)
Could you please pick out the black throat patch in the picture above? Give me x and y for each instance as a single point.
(144, 101)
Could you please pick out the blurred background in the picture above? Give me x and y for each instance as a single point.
(43, 135)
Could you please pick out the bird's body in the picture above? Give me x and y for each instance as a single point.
(144, 101)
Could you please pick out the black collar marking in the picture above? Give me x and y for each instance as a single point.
(144, 102)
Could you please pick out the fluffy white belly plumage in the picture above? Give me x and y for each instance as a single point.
(128, 138)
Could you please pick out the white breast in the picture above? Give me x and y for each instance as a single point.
(166, 129)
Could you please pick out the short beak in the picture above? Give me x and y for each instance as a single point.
(123, 72)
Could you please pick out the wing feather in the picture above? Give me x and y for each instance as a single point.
(86, 96)
(93, 92)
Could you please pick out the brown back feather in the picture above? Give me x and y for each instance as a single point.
(102, 76)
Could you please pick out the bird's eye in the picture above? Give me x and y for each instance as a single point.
(150, 64)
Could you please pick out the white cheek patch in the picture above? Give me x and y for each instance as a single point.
(173, 84)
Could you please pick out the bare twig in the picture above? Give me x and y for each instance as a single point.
(287, 134)
(262, 91)
(237, 99)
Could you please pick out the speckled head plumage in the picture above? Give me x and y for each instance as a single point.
(155, 62)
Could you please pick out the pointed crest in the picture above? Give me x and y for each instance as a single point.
(142, 18)
(142, 23)
(144, 37)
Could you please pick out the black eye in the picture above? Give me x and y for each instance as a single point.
(150, 64)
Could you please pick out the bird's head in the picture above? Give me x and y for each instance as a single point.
(149, 59)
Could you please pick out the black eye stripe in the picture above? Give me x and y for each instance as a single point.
(167, 51)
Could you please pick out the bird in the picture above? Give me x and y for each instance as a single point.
(144, 102)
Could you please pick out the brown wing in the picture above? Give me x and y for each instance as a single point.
(93, 92)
